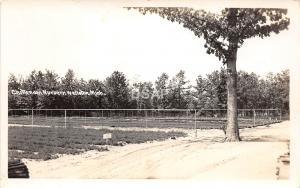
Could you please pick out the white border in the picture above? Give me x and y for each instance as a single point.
(294, 181)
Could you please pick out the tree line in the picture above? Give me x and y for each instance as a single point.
(209, 92)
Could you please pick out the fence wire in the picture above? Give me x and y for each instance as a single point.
(145, 118)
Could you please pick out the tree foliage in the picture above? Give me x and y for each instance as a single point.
(226, 30)
(160, 99)
(178, 91)
(142, 95)
(208, 91)
(117, 90)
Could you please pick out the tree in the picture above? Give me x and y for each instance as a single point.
(283, 88)
(69, 84)
(248, 90)
(199, 95)
(179, 91)
(31, 84)
(117, 90)
(81, 101)
(13, 84)
(142, 96)
(277, 91)
(160, 94)
(211, 91)
(216, 89)
(99, 101)
(51, 83)
(224, 33)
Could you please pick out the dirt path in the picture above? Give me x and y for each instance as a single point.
(202, 158)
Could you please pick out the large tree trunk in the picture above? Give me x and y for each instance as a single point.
(232, 131)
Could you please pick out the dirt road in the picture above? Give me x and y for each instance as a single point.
(204, 157)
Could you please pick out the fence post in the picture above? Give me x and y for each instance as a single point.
(254, 114)
(84, 117)
(187, 116)
(31, 116)
(195, 123)
(280, 115)
(65, 118)
(146, 118)
(118, 117)
(158, 112)
(46, 114)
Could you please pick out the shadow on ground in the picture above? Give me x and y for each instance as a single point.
(243, 138)
(263, 139)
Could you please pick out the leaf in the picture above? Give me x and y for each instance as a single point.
(232, 25)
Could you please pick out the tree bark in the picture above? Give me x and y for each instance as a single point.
(232, 131)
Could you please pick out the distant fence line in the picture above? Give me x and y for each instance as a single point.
(146, 118)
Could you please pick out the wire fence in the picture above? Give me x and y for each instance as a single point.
(145, 118)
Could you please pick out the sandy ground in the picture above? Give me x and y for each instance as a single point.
(204, 157)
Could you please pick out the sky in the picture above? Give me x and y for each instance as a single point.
(95, 39)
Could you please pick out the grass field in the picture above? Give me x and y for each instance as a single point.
(48, 143)
(166, 122)
(52, 136)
